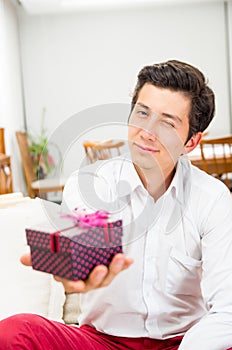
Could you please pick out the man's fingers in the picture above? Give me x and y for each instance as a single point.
(94, 281)
(96, 277)
(71, 286)
(26, 259)
(101, 276)
(118, 264)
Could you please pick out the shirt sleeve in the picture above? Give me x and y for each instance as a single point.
(214, 331)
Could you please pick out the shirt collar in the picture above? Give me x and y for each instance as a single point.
(180, 185)
(129, 179)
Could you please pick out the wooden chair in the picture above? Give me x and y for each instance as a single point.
(102, 150)
(2, 141)
(36, 188)
(6, 183)
(217, 158)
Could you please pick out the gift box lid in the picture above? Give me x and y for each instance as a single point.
(62, 234)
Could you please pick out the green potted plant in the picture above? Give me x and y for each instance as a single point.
(43, 162)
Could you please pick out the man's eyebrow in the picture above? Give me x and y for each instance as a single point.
(144, 106)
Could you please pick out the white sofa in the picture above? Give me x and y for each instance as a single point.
(22, 288)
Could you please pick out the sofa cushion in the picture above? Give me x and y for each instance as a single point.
(22, 288)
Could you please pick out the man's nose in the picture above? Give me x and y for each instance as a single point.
(148, 134)
(151, 127)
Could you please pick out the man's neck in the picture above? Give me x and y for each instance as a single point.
(155, 182)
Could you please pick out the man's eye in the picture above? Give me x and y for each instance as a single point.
(142, 113)
(166, 122)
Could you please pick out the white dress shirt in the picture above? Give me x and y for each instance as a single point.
(181, 280)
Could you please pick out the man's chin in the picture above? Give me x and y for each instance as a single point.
(145, 163)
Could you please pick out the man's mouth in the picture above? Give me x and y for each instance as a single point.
(145, 149)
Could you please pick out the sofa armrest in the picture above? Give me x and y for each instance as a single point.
(71, 309)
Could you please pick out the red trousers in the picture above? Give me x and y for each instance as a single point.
(33, 332)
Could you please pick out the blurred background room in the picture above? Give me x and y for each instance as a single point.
(68, 68)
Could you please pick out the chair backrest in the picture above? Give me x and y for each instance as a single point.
(2, 141)
(102, 150)
(6, 181)
(216, 156)
(26, 159)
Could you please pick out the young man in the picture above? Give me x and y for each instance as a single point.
(171, 289)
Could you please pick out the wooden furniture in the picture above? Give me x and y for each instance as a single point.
(5, 174)
(216, 158)
(5, 167)
(102, 150)
(2, 141)
(36, 188)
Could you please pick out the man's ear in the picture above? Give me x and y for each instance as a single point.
(193, 142)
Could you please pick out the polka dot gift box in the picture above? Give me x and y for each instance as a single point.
(72, 245)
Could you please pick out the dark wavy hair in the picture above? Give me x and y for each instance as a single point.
(180, 76)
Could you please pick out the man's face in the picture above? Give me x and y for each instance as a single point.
(158, 128)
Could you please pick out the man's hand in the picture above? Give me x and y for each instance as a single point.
(26, 259)
(101, 276)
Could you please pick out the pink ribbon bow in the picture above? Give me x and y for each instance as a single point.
(80, 217)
